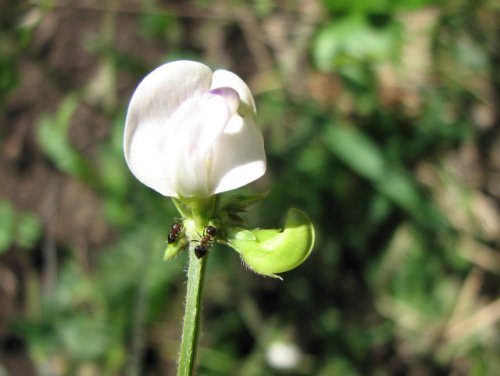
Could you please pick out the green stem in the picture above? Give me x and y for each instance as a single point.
(190, 330)
(197, 214)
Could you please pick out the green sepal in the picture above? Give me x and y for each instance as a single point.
(234, 203)
(271, 251)
(198, 209)
(173, 249)
(182, 208)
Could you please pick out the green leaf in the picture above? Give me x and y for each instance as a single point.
(350, 40)
(367, 159)
(52, 133)
(357, 151)
(270, 251)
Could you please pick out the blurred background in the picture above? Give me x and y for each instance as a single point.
(381, 121)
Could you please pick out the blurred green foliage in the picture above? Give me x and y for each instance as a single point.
(20, 230)
(385, 133)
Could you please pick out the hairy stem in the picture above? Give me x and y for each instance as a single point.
(197, 214)
(192, 313)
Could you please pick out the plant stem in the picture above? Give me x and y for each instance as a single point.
(190, 330)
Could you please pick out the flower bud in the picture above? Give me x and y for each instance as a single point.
(270, 251)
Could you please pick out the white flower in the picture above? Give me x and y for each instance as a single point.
(283, 355)
(190, 132)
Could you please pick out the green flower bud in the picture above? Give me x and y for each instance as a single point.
(270, 251)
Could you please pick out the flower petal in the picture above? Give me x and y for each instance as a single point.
(155, 100)
(197, 125)
(223, 78)
(230, 95)
(163, 90)
(239, 157)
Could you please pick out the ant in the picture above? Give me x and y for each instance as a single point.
(200, 251)
(175, 231)
(206, 241)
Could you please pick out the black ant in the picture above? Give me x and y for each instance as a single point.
(206, 241)
(175, 231)
(211, 231)
(200, 251)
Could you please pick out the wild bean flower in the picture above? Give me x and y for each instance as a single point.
(191, 132)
